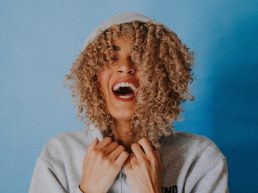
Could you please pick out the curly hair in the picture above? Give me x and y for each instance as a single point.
(165, 67)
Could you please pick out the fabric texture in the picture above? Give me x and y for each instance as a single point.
(193, 164)
(117, 19)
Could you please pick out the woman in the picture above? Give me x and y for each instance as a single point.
(128, 83)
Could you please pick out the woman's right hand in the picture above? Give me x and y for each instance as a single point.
(101, 164)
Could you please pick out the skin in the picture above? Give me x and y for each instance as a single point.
(123, 69)
(101, 165)
(104, 160)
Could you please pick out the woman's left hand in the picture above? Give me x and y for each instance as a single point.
(144, 169)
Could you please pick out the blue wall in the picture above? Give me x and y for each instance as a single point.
(40, 40)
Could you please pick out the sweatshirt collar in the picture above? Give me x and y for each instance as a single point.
(94, 132)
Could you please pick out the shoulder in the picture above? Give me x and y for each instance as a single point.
(193, 161)
(192, 147)
(58, 166)
(66, 144)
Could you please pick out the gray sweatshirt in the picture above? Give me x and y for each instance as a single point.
(192, 164)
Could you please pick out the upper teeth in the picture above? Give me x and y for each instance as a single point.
(124, 84)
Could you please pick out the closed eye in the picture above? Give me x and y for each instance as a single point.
(116, 48)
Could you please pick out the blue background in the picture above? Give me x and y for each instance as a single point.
(40, 40)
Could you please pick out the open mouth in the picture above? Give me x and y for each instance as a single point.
(124, 91)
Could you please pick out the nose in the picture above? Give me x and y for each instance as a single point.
(126, 67)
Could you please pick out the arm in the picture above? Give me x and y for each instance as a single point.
(209, 173)
(214, 180)
(44, 179)
(49, 174)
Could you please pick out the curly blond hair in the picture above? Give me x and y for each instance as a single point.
(165, 67)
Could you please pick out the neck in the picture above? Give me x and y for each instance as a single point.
(123, 133)
(124, 125)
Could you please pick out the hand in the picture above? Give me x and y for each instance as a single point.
(101, 164)
(144, 169)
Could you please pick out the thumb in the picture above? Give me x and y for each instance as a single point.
(94, 142)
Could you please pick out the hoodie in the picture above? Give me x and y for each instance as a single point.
(191, 163)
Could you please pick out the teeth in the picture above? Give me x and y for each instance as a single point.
(124, 84)
(125, 96)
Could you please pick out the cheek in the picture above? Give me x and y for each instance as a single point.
(103, 80)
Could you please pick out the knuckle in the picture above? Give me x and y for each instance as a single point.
(108, 162)
(94, 150)
(99, 154)
(115, 143)
(111, 164)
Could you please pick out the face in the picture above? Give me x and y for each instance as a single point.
(119, 82)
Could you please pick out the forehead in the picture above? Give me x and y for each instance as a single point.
(122, 45)
(122, 41)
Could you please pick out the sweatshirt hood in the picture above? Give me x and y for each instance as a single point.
(125, 17)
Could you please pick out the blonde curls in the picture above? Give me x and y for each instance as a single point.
(165, 67)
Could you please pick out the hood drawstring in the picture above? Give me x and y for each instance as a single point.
(120, 179)
(122, 176)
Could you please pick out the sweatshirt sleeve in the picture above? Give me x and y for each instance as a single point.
(208, 173)
(44, 179)
(49, 173)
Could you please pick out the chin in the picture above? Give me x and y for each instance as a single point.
(123, 118)
(122, 115)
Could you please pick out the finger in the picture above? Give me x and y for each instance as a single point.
(127, 164)
(121, 158)
(114, 154)
(133, 159)
(137, 151)
(148, 149)
(157, 154)
(110, 148)
(104, 143)
(94, 142)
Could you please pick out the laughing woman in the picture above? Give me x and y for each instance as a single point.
(128, 84)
